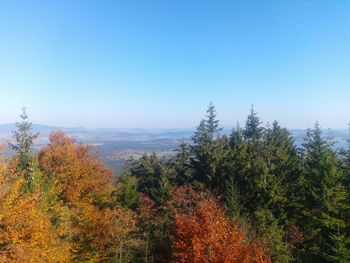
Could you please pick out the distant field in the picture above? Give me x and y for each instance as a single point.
(117, 145)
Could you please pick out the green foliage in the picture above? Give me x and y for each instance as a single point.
(264, 167)
(296, 201)
(23, 146)
(182, 165)
(208, 151)
(253, 131)
(273, 234)
(155, 178)
(340, 249)
(126, 191)
(324, 195)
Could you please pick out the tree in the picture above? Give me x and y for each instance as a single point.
(182, 165)
(155, 180)
(126, 190)
(208, 151)
(340, 249)
(203, 234)
(236, 183)
(256, 176)
(79, 189)
(155, 177)
(261, 180)
(26, 232)
(23, 146)
(253, 130)
(324, 196)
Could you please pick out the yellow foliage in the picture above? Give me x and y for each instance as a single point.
(26, 234)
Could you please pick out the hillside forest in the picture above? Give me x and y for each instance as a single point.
(252, 196)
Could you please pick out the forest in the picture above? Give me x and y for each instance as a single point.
(253, 196)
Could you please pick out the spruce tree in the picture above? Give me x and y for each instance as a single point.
(325, 197)
(256, 176)
(126, 193)
(182, 166)
(24, 141)
(253, 130)
(207, 151)
(212, 123)
(155, 180)
(340, 249)
(263, 171)
(155, 177)
(284, 168)
(236, 191)
(276, 211)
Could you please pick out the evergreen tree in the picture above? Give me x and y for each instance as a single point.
(256, 174)
(253, 130)
(279, 202)
(345, 153)
(272, 233)
(324, 197)
(340, 249)
(284, 169)
(23, 146)
(236, 183)
(182, 165)
(126, 190)
(264, 168)
(212, 123)
(207, 150)
(155, 178)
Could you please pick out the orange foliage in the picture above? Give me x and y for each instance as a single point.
(83, 186)
(81, 191)
(203, 234)
(78, 173)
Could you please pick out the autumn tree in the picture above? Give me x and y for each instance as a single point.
(26, 231)
(79, 189)
(203, 234)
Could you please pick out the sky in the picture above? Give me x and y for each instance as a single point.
(158, 64)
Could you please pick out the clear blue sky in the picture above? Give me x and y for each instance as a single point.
(160, 63)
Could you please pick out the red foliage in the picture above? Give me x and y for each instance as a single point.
(203, 234)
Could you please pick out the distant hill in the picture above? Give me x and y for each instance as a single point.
(117, 145)
(96, 136)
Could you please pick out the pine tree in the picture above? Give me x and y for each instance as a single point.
(340, 249)
(253, 130)
(155, 178)
(212, 123)
(345, 153)
(256, 176)
(126, 190)
(236, 183)
(324, 195)
(184, 173)
(264, 169)
(276, 211)
(155, 182)
(208, 151)
(23, 146)
(284, 169)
